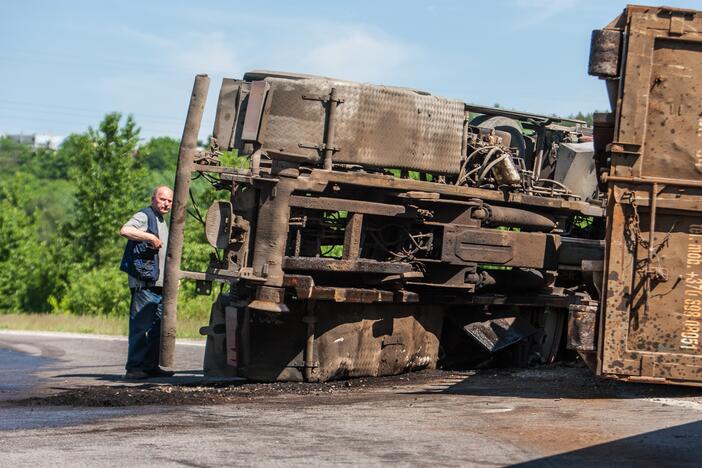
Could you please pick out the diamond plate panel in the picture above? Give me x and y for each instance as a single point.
(376, 126)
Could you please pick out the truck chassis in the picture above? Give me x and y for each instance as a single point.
(376, 229)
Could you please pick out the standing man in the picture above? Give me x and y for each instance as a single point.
(144, 261)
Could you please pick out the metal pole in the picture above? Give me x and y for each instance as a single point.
(331, 131)
(651, 233)
(310, 319)
(540, 142)
(188, 147)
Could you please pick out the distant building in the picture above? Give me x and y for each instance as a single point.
(37, 140)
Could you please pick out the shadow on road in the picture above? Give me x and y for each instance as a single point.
(674, 446)
(552, 382)
(182, 376)
(545, 382)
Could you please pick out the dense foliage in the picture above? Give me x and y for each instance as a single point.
(61, 210)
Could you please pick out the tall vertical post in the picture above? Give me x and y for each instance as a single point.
(651, 248)
(174, 252)
(329, 147)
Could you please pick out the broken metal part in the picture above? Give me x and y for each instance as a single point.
(496, 334)
(582, 318)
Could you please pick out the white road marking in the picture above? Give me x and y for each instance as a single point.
(506, 409)
(180, 341)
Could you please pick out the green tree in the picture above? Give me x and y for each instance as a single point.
(109, 189)
(160, 154)
(30, 268)
(12, 155)
(586, 117)
(60, 212)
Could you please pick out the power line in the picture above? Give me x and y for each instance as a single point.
(76, 110)
(150, 124)
(83, 61)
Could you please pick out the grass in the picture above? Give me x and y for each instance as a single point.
(100, 325)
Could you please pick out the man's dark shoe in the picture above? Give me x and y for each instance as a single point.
(136, 375)
(158, 372)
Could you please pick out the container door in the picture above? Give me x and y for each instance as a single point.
(653, 280)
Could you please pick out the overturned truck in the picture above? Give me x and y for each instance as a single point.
(378, 230)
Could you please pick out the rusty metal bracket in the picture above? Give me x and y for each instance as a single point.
(324, 99)
(327, 148)
(203, 287)
(321, 147)
(627, 149)
(677, 25)
(211, 157)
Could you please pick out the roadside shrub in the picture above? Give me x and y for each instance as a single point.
(104, 291)
(194, 307)
(97, 291)
(20, 259)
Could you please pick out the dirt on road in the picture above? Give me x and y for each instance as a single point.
(554, 381)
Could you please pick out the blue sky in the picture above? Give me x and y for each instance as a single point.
(65, 64)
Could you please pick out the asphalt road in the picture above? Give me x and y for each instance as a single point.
(548, 416)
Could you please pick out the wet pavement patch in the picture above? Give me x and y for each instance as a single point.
(17, 418)
(21, 367)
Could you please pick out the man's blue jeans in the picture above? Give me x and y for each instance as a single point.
(145, 314)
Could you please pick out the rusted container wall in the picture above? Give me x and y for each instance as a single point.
(653, 279)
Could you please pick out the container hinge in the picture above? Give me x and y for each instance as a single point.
(677, 25)
(320, 147)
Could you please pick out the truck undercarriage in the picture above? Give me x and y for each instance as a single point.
(378, 230)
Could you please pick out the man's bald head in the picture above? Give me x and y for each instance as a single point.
(162, 199)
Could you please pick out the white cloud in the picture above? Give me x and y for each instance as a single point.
(207, 53)
(340, 50)
(192, 52)
(358, 54)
